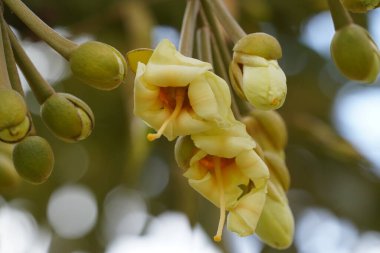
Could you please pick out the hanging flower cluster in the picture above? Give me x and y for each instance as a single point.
(179, 96)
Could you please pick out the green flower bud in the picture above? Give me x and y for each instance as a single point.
(355, 54)
(98, 65)
(360, 5)
(68, 117)
(16, 133)
(184, 151)
(33, 159)
(12, 108)
(276, 224)
(259, 44)
(9, 179)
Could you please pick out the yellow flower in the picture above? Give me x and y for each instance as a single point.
(177, 95)
(224, 168)
(255, 73)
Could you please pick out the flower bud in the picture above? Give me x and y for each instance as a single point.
(33, 159)
(98, 65)
(16, 133)
(267, 128)
(255, 73)
(259, 44)
(68, 117)
(184, 151)
(360, 6)
(276, 224)
(355, 54)
(12, 108)
(9, 179)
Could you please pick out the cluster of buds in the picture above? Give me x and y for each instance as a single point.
(69, 118)
(238, 164)
(353, 50)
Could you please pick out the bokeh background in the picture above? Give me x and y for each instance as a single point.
(117, 193)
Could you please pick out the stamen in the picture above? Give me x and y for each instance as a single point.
(222, 204)
(179, 99)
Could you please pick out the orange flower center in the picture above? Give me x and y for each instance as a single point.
(173, 98)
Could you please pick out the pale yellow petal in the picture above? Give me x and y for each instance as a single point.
(253, 167)
(244, 217)
(265, 87)
(210, 98)
(167, 67)
(224, 142)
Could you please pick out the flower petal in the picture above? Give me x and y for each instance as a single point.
(167, 67)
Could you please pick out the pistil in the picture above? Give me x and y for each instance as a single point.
(222, 204)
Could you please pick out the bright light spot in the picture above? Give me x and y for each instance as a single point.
(165, 32)
(369, 243)
(357, 117)
(237, 244)
(19, 232)
(125, 213)
(319, 231)
(168, 233)
(155, 177)
(72, 211)
(318, 33)
(373, 25)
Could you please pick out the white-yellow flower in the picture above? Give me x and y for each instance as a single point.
(255, 72)
(177, 95)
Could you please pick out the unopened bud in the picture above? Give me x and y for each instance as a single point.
(276, 224)
(33, 159)
(12, 108)
(184, 151)
(356, 54)
(68, 117)
(98, 65)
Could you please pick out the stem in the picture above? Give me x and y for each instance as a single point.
(339, 14)
(4, 78)
(215, 28)
(186, 41)
(10, 59)
(232, 27)
(62, 45)
(204, 44)
(41, 89)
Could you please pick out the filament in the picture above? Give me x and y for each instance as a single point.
(222, 204)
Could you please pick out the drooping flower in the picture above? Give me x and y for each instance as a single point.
(224, 168)
(177, 95)
(255, 73)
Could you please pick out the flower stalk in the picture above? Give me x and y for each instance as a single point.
(10, 59)
(229, 23)
(339, 14)
(186, 42)
(4, 79)
(62, 45)
(41, 89)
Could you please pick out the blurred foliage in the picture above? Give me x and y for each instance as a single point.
(322, 164)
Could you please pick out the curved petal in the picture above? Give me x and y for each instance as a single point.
(210, 98)
(167, 67)
(225, 142)
(244, 217)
